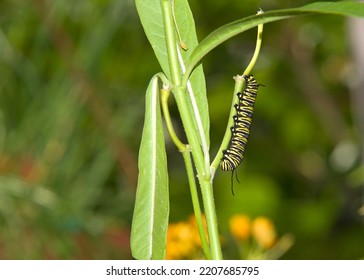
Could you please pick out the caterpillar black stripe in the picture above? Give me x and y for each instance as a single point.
(233, 156)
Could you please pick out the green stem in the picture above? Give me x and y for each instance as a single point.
(205, 183)
(196, 203)
(186, 153)
(257, 48)
(164, 80)
(211, 219)
(197, 115)
(167, 118)
(192, 137)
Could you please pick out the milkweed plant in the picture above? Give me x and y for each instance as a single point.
(170, 28)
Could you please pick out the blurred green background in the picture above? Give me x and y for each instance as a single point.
(73, 76)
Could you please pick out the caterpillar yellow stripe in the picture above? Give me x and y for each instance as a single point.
(234, 154)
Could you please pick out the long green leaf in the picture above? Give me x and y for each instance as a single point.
(220, 35)
(150, 14)
(150, 220)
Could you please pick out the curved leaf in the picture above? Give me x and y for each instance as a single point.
(150, 219)
(220, 35)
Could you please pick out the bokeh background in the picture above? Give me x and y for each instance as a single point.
(73, 76)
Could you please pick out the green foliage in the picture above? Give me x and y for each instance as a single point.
(72, 89)
(150, 222)
(60, 163)
(230, 30)
(150, 15)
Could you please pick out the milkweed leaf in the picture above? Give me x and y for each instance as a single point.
(150, 219)
(225, 32)
(150, 14)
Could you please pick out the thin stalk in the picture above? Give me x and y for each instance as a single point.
(167, 118)
(186, 153)
(181, 43)
(196, 203)
(211, 219)
(239, 84)
(192, 137)
(257, 48)
(164, 79)
(196, 111)
(205, 183)
(180, 92)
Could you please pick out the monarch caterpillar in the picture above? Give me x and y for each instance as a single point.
(233, 156)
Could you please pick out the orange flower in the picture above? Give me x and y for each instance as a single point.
(180, 241)
(264, 232)
(240, 226)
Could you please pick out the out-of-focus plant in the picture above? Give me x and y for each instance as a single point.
(183, 240)
(257, 238)
(251, 238)
(66, 165)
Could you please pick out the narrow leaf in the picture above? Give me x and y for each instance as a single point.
(150, 220)
(220, 35)
(150, 14)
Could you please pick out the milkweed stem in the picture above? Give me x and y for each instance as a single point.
(165, 92)
(192, 138)
(257, 47)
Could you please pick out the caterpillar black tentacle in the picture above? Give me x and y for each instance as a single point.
(240, 131)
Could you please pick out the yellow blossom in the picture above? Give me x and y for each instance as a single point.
(264, 232)
(240, 226)
(182, 240)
